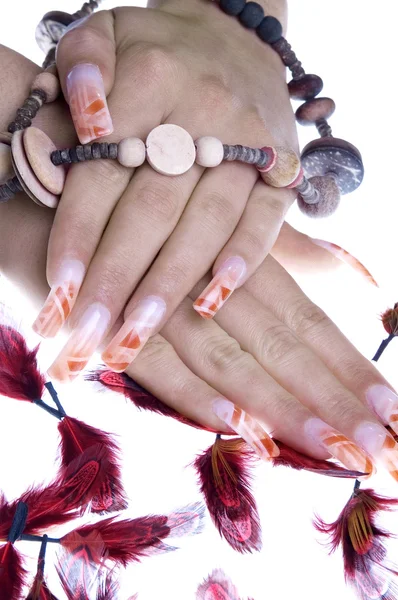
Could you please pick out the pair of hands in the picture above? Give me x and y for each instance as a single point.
(270, 351)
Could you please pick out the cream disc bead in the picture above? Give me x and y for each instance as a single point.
(38, 148)
(170, 150)
(49, 83)
(131, 152)
(286, 169)
(209, 151)
(6, 169)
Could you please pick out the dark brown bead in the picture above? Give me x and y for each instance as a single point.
(333, 155)
(80, 153)
(32, 103)
(96, 150)
(65, 156)
(305, 88)
(73, 155)
(26, 112)
(104, 149)
(329, 198)
(113, 150)
(40, 94)
(15, 126)
(56, 158)
(88, 152)
(313, 110)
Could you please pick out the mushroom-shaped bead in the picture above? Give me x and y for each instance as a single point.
(49, 83)
(6, 169)
(329, 198)
(313, 110)
(209, 151)
(170, 150)
(131, 152)
(286, 169)
(305, 88)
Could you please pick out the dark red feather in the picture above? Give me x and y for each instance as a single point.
(80, 442)
(225, 480)
(109, 587)
(12, 573)
(217, 586)
(40, 591)
(366, 566)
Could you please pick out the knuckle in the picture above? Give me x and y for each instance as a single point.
(174, 277)
(112, 280)
(153, 62)
(83, 38)
(307, 318)
(279, 343)
(216, 96)
(160, 202)
(223, 355)
(220, 212)
(254, 241)
(157, 351)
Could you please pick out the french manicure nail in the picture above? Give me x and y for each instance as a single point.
(248, 428)
(87, 102)
(384, 402)
(376, 440)
(348, 453)
(133, 335)
(226, 280)
(346, 257)
(82, 344)
(61, 299)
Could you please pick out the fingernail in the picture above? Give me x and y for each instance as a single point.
(346, 257)
(132, 337)
(340, 447)
(61, 299)
(214, 296)
(82, 344)
(376, 440)
(87, 103)
(248, 428)
(384, 402)
(75, 24)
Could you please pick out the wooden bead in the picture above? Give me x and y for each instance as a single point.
(286, 169)
(131, 152)
(333, 155)
(313, 110)
(170, 150)
(329, 198)
(6, 169)
(38, 148)
(49, 83)
(305, 88)
(29, 182)
(209, 151)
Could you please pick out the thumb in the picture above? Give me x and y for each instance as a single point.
(86, 60)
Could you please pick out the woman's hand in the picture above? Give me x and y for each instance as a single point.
(138, 245)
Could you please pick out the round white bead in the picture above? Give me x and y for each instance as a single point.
(131, 152)
(209, 151)
(170, 150)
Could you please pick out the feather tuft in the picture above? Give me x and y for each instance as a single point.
(217, 586)
(12, 573)
(224, 478)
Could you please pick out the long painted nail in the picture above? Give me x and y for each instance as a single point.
(376, 440)
(248, 428)
(87, 102)
(384, 402)
(82, 344)
(348, 453)
(132, 337)
(220, 287)
(61, 299)
(346, 257)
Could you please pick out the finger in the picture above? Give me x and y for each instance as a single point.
(249, 245)
(217, 358)
(356, 373)
(86, 60)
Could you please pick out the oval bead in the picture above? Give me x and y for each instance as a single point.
(131, 152)
(286, 169)
(170, 150)
(209, 151)
(49, 83)
(6, 169)
(329, 198)
(38, 148)
(333, 155)
(313, 110)
(305, 88)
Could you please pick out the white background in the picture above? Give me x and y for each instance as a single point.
(351, 45)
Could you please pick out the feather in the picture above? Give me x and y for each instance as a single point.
(19, 375)
(292, 458)
(188, 520)
(224, 477)
(217, 586)
(140, 397)
(366, 566)
(39, 589)
(109, 587)
(12, 573)
(79, 442)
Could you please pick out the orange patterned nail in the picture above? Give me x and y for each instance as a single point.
(376, 440)
(61, 299)
(87, 103)
(248, 428)
(132, 337)
(348, 453)
(82, 344)
(346, 257)
(221, 287)
(385, 404)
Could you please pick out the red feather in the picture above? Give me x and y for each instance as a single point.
(79, 442)
(12, 573)
(225, 480)
(109, 588)
(188, 520)
(291, 458)
(363, 543)
(140, 397)
(19, 375)
(40, 591)
(217, 586)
